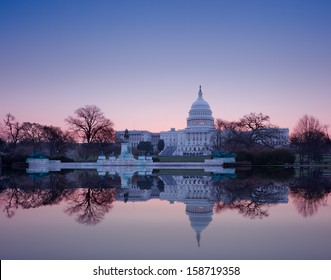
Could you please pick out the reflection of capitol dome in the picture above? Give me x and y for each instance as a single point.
(200, 217)
(200, 114)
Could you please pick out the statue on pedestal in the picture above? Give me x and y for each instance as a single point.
(125, 148)
(126, 135)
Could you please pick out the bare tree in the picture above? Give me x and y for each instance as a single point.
(2, 149)
(250, 131)
(32, 133)
(309, 137)
(256, 128)
(93, 129)
(221, 126)
(13, 133)
(56, 140)
(91, 125)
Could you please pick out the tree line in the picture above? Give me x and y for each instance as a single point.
(251, 137)
(90, 132)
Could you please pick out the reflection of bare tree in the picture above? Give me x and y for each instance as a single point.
(250, 197)
(22, 191)
(9, 200)
(90, 205)
(308, 206)
(249, 209)
(310, 191)
(13, 199)
(253, 209)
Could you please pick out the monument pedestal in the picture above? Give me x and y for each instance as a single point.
(126, 157)
(126, 151)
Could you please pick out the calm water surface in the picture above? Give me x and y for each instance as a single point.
(179, 214)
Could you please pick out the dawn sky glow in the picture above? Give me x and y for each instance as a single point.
(142, 61)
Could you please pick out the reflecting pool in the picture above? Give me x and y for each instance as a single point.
(166, 214)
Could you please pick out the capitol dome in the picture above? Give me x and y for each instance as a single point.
(200, 114)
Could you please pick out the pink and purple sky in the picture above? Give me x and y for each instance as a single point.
(142, 61)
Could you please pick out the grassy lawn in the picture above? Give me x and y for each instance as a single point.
(326, 159)
(183, 158)
(183, 172)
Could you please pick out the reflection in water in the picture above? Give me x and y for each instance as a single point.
(17, 190)
(89, 198)
(90, 205)
(310, 191)
(250, 197)
(12, 199)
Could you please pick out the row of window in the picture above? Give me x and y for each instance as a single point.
(200, 122)
(192, 149)
(193, 154)
(200, 113)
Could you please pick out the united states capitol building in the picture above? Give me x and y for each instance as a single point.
(198, 136)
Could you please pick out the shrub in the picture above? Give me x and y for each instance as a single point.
(271, 157)
(244, 156)
(274, 157)
(9, 160)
